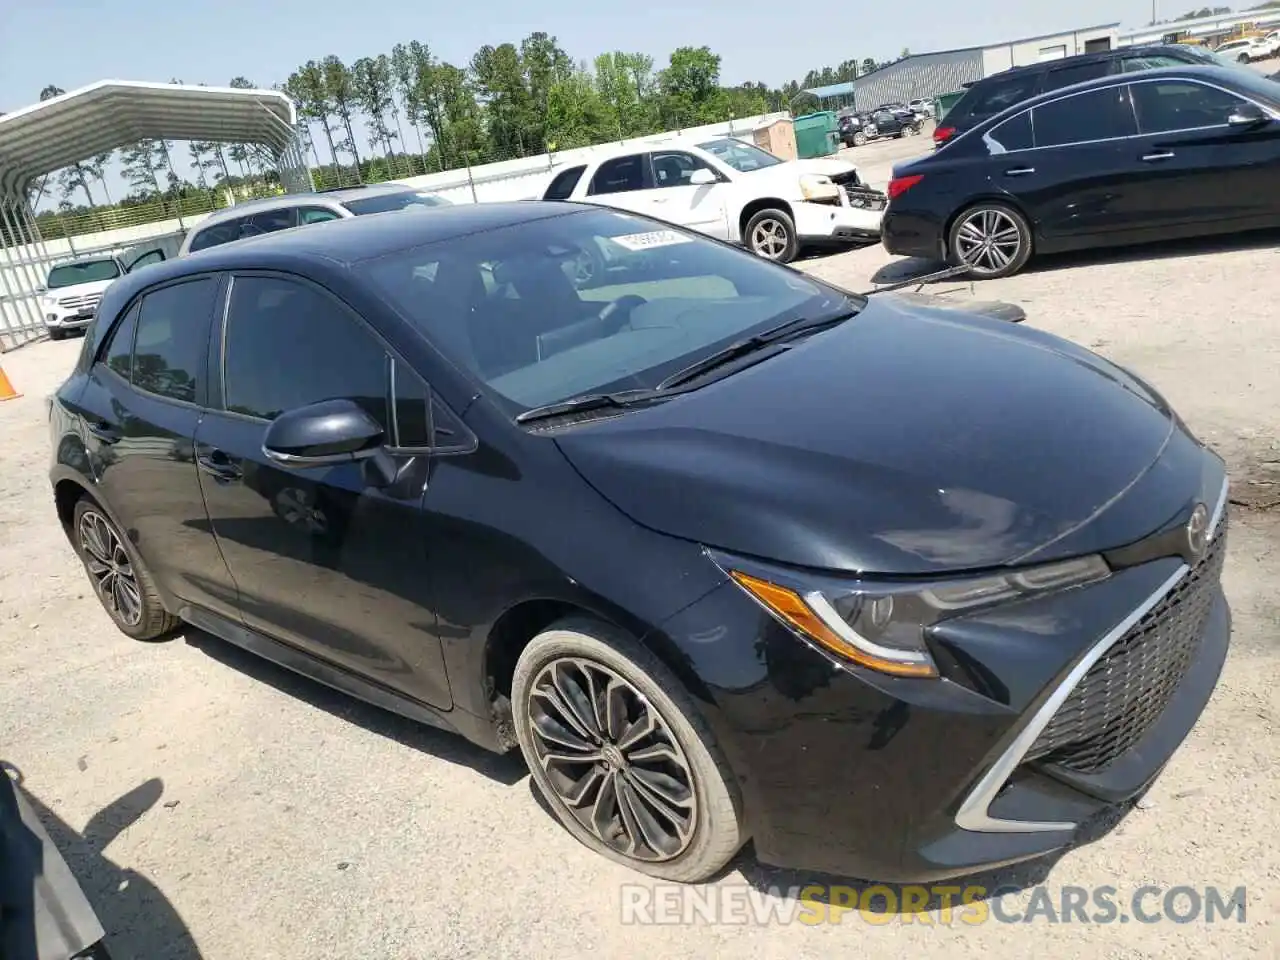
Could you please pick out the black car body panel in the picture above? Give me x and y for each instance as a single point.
(1133, 188)
(991, 95)
(901, 443)
(817, 477)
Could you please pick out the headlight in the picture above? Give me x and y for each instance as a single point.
(49, 300)
(881, 625)
(815, 186)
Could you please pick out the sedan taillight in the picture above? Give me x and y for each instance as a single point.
(942, 134)
(900, 185)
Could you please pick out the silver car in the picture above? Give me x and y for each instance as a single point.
(255, 217)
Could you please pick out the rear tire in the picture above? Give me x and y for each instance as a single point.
(121, 580)
(771, 234)
(651, 790)
(992, 238)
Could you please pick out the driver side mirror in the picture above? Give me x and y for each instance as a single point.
(702, 177)
(323, 434)
(1247, 115)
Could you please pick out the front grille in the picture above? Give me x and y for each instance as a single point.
(1127, 690)
(864, 197)
(81, 300)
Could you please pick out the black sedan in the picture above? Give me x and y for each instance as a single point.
(726, 552)
(1175, 152)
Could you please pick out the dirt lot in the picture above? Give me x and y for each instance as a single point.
(217, 807)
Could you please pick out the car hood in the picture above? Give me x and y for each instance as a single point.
(909, 440)
(791, 170)
(81, 289)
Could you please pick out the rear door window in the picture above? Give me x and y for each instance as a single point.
(1013, 134)
(172, 339)
(1084, 117)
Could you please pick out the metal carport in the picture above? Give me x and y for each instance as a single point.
(102, 116)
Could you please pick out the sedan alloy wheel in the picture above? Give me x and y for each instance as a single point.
(992, 240)
(612, 760)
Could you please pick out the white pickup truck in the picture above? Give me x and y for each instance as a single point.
(71, 292)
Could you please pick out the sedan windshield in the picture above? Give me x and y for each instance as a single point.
(589, 301)
(386, 202)
(743, 157)
(87, 271)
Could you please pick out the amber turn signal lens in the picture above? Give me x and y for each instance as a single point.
(789, 607)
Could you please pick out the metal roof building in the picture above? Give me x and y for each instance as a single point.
(75, 126)
(932, 74)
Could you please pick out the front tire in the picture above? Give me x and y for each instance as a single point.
(771, 234)
(121, 580)
(859, 139)
(57, 334)
(622, 755)
(992, 239)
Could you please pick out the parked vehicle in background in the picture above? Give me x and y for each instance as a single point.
(1248, 49)
(922, 106)
(856, 129)
(698, 537)
(1174, 152)
(256, 217)
(71, 292)
(731, 190)
(987, 97)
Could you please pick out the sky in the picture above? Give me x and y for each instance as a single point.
(71, 43)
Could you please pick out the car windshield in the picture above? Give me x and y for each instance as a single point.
(87, 271)
(743, 157)
(386, 202)
(593, 301)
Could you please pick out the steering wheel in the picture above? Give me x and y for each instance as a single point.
(616, 314)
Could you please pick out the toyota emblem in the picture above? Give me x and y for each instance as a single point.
(1198, 531)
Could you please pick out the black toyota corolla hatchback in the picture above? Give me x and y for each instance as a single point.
(727, 552)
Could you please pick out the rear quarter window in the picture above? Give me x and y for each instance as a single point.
(216, 235)
(988, 98)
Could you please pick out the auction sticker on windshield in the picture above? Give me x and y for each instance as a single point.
(646, 241)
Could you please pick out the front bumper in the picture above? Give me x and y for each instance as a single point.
(828, 222)
(858, 774)
(67, 321)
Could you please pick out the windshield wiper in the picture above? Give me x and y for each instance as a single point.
(774, 335)
(590, 401)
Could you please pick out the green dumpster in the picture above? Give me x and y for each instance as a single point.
(945, 101)
(816, 134)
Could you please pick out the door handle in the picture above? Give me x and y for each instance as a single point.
(1019, 171)
(1158, 155)
(660, 199)
(104, 431)
(219, 467)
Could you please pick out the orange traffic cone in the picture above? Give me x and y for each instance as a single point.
(6, 388)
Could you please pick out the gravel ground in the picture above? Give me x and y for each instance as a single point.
(215, 806)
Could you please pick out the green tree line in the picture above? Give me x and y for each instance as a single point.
(408, 112)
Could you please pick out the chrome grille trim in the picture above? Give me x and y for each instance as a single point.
(974, 811)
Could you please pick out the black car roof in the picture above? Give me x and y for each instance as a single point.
(1094, 56)
(1224, 75)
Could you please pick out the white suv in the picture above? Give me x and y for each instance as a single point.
(731, 190)
(71, 291)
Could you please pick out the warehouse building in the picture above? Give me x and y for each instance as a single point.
(932, 74)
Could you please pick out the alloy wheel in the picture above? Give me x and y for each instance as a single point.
(988, 240)
(769, 238)
(110, 568)
(612, 760)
